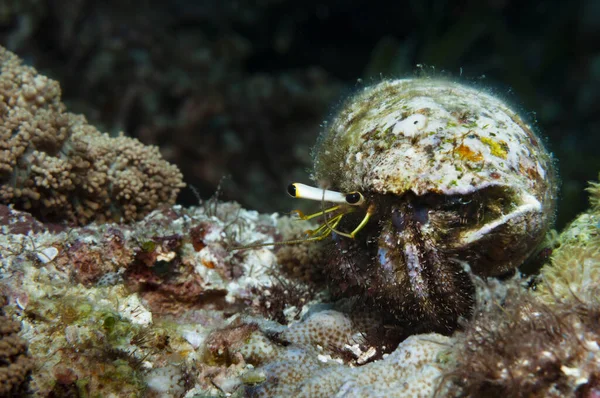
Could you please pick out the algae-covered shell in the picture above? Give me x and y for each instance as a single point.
(431, 136)
(452, 179)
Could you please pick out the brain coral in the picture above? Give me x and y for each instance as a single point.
(308, 364)
(412, 370)
(58, 167)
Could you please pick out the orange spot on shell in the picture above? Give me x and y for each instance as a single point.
(198, 245)
(208, 264)
(468, 154)
(533, 173)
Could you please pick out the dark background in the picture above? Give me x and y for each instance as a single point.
(238, 89)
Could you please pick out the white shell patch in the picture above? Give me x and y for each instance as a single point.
(410, 126)
(48, 254)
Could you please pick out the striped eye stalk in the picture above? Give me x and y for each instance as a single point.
(344, 204)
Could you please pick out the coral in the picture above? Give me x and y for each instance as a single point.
(307, 365)
(161, 307)
(526, 348)
(573, 271)
(594, 190)
(190, 88)
(323, 355)
(15, 364)
(331, 329)
(58, 167)
(574, 268)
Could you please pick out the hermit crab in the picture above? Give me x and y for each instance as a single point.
(429, 181)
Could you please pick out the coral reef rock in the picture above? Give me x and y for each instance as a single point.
(125, 309)
(58, 167)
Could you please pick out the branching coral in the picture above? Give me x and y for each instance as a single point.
(15, 364)
(58, 167)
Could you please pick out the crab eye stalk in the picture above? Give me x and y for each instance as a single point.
(292, 190)
(331, 216)
(302, 191)
(355, 198)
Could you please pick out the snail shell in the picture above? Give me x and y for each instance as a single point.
(456, 181)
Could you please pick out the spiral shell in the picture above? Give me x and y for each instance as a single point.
(455, 182)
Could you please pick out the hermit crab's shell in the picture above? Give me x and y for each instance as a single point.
(428, 135)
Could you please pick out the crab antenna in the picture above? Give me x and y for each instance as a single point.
(319, 234)
(302, 191)
(282, 243)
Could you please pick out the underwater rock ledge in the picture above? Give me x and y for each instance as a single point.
(162, 307)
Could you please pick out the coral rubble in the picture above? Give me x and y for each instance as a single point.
(161, 307)
(58, 167)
